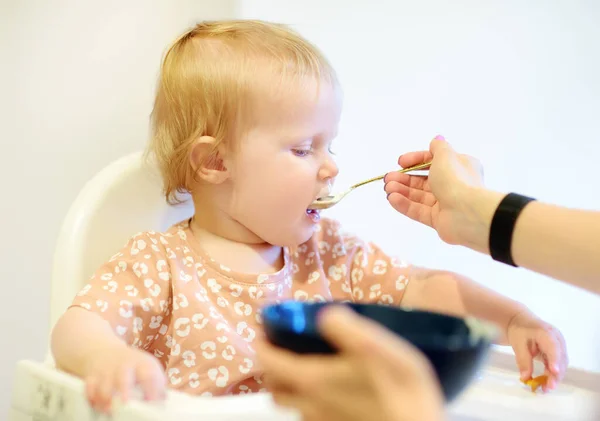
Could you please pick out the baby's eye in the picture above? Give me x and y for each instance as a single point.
(301, 152)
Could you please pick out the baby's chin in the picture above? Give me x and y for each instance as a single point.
(297, 237)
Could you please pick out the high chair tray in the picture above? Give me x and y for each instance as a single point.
(42, 393)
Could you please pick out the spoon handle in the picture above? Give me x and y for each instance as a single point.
(417, 167)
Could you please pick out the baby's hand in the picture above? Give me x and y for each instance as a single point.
(117, 370)
(532, 338)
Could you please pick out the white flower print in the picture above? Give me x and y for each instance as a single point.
(189, 359)
(154, 290)
(188, 261)
(228, 353)
(247, 366)
(338, 250)
(182, 326)
(242, 309)
(194, 380)
(375, 291)
(185, 277)
(386, 299)
(214, 313)
(214, 286)
(309, 258)
(173, 375)
(222, 302)
(324, 247)
(138, 325)
(106, 276)
(236, 290)
(208, 348)
(131, 291)
(356, 275)
(336, 272)
(313, 277)
(126, 309)
(170, 254)
(199, 321)
(300, 295)
(146, 304)
(219, 375)
(262, 278)
(401, 282)
(255, 292)
(318, 298)
(200, 271)
(155, 322)
(380, 267)
(246, 332)
(84, 290)
(358, 294)
(180, 301)
(162, 265)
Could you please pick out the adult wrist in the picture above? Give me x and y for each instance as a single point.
(477, 207)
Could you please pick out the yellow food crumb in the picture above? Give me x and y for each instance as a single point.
(535, 382)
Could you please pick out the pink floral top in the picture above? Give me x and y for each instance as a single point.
(164, 294)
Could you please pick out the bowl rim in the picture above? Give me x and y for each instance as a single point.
(430, 342)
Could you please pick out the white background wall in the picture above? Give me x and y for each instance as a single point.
(77, 94)
(517, 85)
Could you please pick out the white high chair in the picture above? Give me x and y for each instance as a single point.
(122, 199)
(125, 198)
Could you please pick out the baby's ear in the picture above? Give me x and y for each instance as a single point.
(207, 163)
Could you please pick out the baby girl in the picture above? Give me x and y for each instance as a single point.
(243, 121)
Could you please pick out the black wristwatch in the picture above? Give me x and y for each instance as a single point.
(503, 226)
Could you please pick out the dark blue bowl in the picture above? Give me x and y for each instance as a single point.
(455, 347)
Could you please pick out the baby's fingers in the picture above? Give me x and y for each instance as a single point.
(100, 390)
(524, 360)
(553, 353)
(91, 390)
(125, 384)
(152, 381)
(550, 383)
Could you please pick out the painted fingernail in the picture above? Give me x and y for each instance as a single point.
(439, 137)
(388, 196)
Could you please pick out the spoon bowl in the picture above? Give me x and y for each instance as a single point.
(327, 202)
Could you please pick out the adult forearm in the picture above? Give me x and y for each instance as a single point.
(555, 241)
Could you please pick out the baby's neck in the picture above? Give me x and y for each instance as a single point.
(239, 251)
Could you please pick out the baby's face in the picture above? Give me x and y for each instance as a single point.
(284, 163)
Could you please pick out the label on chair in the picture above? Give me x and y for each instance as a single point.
(50, 402)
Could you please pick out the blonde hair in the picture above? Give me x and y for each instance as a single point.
(206, 83)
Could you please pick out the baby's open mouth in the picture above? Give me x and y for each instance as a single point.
(313, 214)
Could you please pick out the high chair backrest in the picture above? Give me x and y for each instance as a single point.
(121, 200)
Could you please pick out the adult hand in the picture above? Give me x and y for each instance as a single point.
(443, 199)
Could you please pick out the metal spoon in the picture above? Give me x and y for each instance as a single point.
(328, 201)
